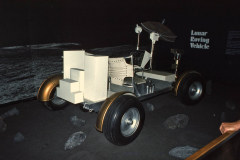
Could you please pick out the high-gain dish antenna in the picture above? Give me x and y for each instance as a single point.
(158, 31)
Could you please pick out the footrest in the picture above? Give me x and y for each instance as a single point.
(159, 75)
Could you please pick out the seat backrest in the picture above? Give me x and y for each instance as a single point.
(118, 69)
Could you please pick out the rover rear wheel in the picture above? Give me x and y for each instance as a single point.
(191, 88)
(55, 103)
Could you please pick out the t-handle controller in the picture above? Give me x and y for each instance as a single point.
(177, 56)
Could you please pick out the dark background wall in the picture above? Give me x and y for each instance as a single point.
(106, 23)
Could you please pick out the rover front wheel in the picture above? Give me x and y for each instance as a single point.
(124, 120)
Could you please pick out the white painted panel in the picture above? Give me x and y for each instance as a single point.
(78, 75)
(69, 85)
(96, 78)
(73, 97)
(72, 59)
